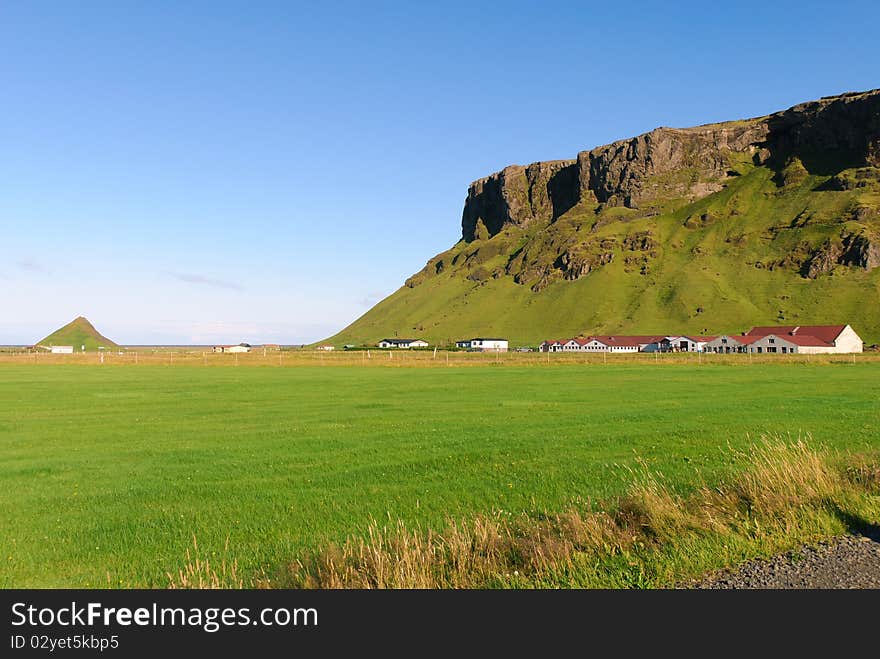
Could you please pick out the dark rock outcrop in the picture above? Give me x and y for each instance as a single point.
(823, 260)
(854, 249)
(519, 195)
(622, 172)
(860, 251)
(833, 133)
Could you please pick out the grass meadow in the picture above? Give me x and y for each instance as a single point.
(108, 472)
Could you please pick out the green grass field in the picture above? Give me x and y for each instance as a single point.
(107, 473)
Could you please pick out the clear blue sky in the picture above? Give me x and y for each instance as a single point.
(266, 171)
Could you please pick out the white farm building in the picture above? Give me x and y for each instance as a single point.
(483, 344)
(403, 343)
(241, 347)
(806, 339)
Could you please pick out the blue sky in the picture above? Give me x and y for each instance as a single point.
(266, 171)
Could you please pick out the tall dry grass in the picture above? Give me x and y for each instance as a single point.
(779, 478)
(202, 573)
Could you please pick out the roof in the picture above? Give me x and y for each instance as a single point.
(624, 340)
(826, 333)
(399, 340)
(798, 339)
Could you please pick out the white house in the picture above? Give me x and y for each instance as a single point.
(595, 345)
(241, 347)
(619, 343)
(61, 350)
(610, 343)
(483, 344)
(641, 343)
(809, 339)
(403, 343)
(577, 344)
(684, 343)
(550, 346)
(326, 348)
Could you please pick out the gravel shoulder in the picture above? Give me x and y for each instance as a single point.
(850, 561)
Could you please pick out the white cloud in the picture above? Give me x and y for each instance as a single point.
(190, 278)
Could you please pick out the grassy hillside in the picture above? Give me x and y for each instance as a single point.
(759, 251)
(77, 333)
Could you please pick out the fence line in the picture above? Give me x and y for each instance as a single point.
(414, 358)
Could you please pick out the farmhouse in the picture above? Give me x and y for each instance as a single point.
(622, 343)
(727, 344)
(326, 348)
(574, 344)
(785, 344)
(483, 344)
(644, 343)
(61, 350)
(610, 343)
(684, 343)
(808, 339)
(403, 343)
(241, 347)
(551, 346)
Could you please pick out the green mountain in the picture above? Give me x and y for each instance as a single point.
(710, 229)
(79, 332)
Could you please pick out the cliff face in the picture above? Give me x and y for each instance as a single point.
(826, 136)
(519, 195)
(830, 134)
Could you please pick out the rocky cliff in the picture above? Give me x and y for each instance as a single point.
(832, 133)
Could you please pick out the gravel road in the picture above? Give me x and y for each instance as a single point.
(850, 561)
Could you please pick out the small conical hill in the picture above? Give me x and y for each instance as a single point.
(79, 332)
